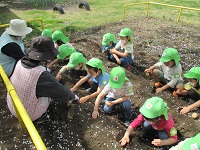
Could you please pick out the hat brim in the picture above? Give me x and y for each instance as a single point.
(42, 56)
(60, 57)
(116, 85)
(189, 75)
(104, 43)
(164, 60)
(18, 33)
(145, 112)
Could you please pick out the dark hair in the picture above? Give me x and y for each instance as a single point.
(94, 68)
(59, 42)
(151, 119)
(198, 86)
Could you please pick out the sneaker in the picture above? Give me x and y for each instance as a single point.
(128, 68)
(158, 84)
(175, 94)
(88, 90)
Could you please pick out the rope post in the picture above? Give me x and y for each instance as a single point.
(179, 15)
(124, 12)
(147, 12)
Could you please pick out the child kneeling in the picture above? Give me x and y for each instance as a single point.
(117, 92)
(154, 116)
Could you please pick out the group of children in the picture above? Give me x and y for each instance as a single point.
(37, 87)
(116, 89)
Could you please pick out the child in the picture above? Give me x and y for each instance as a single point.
(59, 38)
(76, 61)
(47, 32)
(65, 52)
(188, 144)
(96, 72)
(118, 91)
(170, 71)
(109, 41)
(192, 88)
(155, 117)
(125, 56)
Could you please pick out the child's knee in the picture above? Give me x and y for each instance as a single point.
(107, 109)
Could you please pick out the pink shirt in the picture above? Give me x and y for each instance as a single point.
(167, 125)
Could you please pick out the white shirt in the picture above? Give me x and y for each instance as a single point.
(173, 74)
(126, 90)
(127, 48)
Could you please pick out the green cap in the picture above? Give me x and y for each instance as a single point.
(96, 63)
(75, 59)
(65, 51)
(193, 73)
(59, 35)
(117, 77)
(107, 38)
(170, 54)
(192, 144)
(47, 32)
(127, 32)
(154, 107)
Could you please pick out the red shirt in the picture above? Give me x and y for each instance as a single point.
(167, 125)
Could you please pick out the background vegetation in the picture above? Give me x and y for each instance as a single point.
(102, 12)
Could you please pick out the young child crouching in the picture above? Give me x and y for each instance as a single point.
(154, 117)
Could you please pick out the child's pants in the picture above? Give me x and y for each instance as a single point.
(147, 128)
(124, 61)
(126, 105)
(193, 95)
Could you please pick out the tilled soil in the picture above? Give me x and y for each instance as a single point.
(151, 37)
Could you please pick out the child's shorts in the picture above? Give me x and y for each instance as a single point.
(164, 80)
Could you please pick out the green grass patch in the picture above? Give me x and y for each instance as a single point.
(102, 12)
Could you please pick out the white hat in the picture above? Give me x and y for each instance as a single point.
(18, 27)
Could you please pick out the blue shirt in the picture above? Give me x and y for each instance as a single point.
(105, 48)
(101, 79)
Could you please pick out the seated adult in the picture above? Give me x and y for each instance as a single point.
(11, 45)
(36, 86)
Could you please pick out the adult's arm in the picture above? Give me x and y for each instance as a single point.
(47, 86)
(13, 50)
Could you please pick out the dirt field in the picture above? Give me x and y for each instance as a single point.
(151, 37)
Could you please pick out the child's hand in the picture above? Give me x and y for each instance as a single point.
(50, 67)
(83, 99)
(124, 140)
(95, 114)
(118, 61)
(73, 89)
(184, 110)
(179, 91)
(158, 90)
(157, 142)
(112, 51)
(148, 70)
(58, 77)
(109, 103)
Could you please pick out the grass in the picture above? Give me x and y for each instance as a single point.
(102, 12)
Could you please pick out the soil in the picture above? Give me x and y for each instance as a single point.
(151, 37)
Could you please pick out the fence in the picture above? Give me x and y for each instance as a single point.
(34, 20)
(148, 7)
